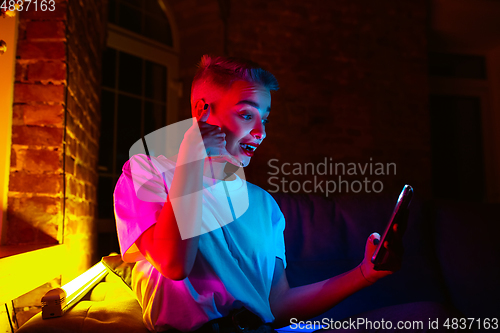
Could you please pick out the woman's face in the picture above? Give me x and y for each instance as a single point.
(242, 114)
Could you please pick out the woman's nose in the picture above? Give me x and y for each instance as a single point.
(258, 132)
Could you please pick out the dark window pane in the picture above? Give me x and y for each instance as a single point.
(142, 17)
(130, 74)
(129, 18)
(134, 3)
(153, 7)
(112, 11)
(154, 117)
(105, 197)
(109, 67)
(158, 29)
(107, 242)
(129, 128)
(107, 125)
(457, 65)
(156, 81)
(457, 148)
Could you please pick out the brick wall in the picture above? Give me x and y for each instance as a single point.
(353, 77)
(36, 186)
(87, 36)
(55, 133)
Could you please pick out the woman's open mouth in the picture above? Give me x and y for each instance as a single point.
(247, 149)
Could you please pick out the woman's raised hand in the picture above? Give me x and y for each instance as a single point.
(366, 266)
(214, 139)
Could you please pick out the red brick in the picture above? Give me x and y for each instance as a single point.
(19, 231)
(71, 186)
(26, 93)
(47, 71)
(71, 145)
(79, 132)
(35, 183)
(93, 146)
(81, 173)
(36, 135)
(35, 228)
(93, 176)
(50, 228)
(17, 115)
(72, 223)
(43, 160)
(21, 72)
(71, 103)
(43, 115)
(13, 158)
(70, 125)
(21, 30)
(70, 208)
(88, 175)
(88, 192)
(80, 193)
(81, 211)
(77, 112)
(92, 210)
(69, 165)
(28, 50)
(32, 206)
(45, 29)
(85, 124)
(80, 152)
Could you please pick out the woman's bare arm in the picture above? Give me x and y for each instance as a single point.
(311, 300)
(162, 244)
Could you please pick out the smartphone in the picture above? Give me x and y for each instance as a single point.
(390, 258)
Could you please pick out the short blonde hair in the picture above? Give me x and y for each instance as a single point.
(222, 72)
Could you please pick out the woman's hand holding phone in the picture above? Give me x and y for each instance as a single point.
(383, 259)
(367, 267)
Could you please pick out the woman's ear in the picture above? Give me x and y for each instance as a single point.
(198, 107)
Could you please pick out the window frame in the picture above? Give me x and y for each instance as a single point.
(140, 46)
(9, 28)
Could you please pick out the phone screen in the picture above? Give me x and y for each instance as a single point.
(389, 258)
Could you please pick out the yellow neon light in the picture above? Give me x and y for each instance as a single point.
(81, 283)
(57, 301)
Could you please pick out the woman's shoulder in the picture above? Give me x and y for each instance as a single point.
(147, 162)
(141, 169)
(258, 191)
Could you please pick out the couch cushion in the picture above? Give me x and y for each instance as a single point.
(118, 267)
(326, 237)
(115, 315)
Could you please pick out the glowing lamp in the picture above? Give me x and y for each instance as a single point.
(57, 301)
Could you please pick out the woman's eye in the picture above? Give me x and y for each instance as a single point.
(246, 116)
(265, 121)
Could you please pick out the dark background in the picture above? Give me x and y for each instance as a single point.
(405, 82)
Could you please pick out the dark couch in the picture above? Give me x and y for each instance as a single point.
(452, 256)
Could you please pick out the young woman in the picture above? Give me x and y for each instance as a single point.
(209, 249)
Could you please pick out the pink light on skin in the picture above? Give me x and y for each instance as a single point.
(241, 113)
